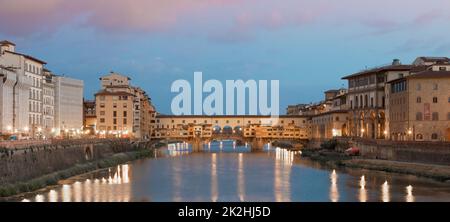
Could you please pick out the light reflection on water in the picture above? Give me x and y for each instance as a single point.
(230, 172)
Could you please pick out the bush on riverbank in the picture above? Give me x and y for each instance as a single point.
(329, 144)
(53, 178)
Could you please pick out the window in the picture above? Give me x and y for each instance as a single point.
(114, 113)
(102, 120)
(448, 116)
(419, 99)
(435, 116)
(124, 113)
(434, 136)
(102, 113)
(419, 116)
(442, 69)
(419, 137)
(435, 86)
(114, 105)
(125, 105)
(102, 105)
(371, 102)
(102, 98)
(115, 98)
(435, 99)
(124, 121)
(114, 121)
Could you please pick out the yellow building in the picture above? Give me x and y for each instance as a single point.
(123, 110)
(114, 113)
(420, 105)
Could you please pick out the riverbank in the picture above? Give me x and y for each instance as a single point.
(53, 178)
(336, 159)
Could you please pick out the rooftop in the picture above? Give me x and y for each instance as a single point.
(430, 74)
(28, 57)
(6, 42)
(381, 69)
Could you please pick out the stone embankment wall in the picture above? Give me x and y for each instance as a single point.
(23, 164)
(405, 151)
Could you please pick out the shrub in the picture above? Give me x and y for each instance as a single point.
(329, 145)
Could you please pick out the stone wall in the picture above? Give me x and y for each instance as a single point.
(417, 152)
(18, 165)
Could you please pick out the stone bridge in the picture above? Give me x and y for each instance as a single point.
(255, 130)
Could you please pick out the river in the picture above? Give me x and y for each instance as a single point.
(226, 172)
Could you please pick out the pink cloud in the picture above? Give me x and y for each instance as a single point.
(229, 17)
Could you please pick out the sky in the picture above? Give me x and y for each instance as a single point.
(308, 45)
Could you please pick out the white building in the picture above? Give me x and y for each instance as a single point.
(48, 107)
(18, 71)
(68, 104)
(7, 81)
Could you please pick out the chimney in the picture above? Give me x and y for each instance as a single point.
(396, 62)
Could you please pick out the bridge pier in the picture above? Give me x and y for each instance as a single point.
(197, 145)
(257, 144)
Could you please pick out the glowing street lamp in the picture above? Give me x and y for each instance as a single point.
(39, 129)
(26, 129)
(9, 128)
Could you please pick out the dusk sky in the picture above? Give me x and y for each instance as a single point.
(306, 44)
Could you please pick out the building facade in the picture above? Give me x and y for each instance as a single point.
(123, 110)
(48, 104)
(420, 105)
(27, 101)
(89, 116)
(68, 106)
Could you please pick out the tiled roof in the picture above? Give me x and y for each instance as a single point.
(430, 74)
(28, 57)
(382, 69)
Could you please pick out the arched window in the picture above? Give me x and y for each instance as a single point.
(419, 137)
(434, 136)
(419, 116)
(419, 99)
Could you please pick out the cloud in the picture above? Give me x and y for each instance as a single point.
(222, 20)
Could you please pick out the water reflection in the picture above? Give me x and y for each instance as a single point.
(282, 171)
(409, 194)
(362, 190)
(241, 177)
(385, 197)
(52, 196)
(233, 173)
(178, 149)
(214, 183)
(39, 198)
(334, 192)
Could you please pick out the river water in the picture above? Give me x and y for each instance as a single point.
(226, 172)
